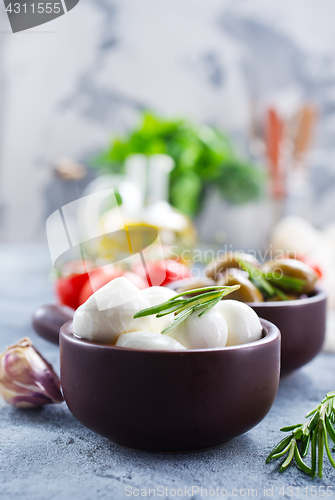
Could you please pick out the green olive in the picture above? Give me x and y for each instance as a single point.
(247, 291)
(228, 260)
(295, 269)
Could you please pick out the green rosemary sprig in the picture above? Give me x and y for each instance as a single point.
(313, 434)
(182, 307)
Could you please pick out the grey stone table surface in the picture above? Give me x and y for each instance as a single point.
(48, 454)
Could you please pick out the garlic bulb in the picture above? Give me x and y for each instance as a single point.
(27, 380)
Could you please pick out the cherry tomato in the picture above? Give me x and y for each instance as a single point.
(311, 263)
(175, 271)
(98, 278)
(171, 269)
(136, 280)
(75, 289)
(69, 288)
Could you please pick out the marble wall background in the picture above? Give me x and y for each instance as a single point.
(67, 85)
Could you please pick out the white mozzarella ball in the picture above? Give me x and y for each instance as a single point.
(110, 312)
(157, 295)
(207, 332)
(243, 323)
(150, 341)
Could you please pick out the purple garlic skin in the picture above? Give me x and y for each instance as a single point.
(27, 380)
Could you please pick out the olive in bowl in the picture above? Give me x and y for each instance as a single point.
(169, 401)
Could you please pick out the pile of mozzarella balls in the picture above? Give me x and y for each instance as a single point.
(108, 317)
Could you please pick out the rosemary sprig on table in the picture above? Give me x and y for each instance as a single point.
(313, 434)
(265, 281)
(183, 307)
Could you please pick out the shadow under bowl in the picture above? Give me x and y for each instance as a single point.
(170, 401)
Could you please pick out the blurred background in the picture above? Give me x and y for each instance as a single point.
(239, 93)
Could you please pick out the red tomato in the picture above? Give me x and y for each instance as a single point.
(136, 280)
(68, 289)
(311, 263)
(98, 278)
(76, 288)
(175, 271)
(155, 270)
(171, 269)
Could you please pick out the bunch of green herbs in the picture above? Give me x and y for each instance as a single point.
(204, 158)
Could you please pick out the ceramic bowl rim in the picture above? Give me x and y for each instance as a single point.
(271, 335)
(318, 296)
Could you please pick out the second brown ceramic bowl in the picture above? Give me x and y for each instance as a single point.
(302, 324)
(170, 401)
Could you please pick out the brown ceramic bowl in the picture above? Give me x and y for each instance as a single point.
(302, 324)
(169, 401)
